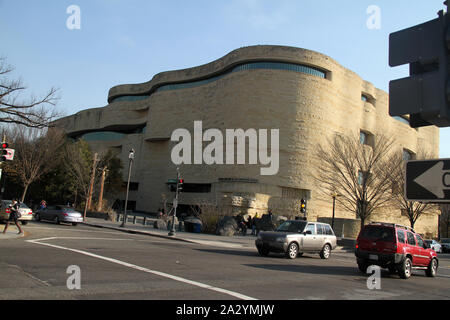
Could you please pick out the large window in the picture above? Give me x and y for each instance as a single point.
(246, 66)
(102, 136)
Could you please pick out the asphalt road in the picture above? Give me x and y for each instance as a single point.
(117, 265)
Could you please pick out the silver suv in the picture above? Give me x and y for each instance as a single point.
(294, 237)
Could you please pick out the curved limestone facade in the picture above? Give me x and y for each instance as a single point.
(306, 95)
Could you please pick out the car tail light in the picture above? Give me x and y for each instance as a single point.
(356, 245)
(65, 214)
(31, 212)
(8, 210)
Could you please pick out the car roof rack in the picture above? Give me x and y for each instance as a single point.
(396, 225)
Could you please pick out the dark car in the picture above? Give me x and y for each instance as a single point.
(395, 247)
(59, 214)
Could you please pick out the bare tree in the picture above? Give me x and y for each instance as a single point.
(413, 210)
(35, 150)
(78, 164)
(31, 112)
(356, 172)
(444, 220)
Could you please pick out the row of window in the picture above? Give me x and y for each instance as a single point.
(110, 135)
(245, 66)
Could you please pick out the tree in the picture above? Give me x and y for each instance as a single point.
(413, 210)
(35, 151)
(444, 220)
(32, 112)
(77, 162)
(356, 172)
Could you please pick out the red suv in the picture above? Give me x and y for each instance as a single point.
(395, 247)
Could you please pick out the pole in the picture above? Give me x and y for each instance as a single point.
(102, 184)
(172, 228)
(332, 220)
(91, 185)
(125, 216)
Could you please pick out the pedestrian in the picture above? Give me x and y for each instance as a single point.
(14, 216)
(249, 222)
(254, 225)
(43, 205)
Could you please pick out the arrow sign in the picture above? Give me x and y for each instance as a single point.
(428, 181)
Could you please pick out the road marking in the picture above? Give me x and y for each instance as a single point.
(133, 266)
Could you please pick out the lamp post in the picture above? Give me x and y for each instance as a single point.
(131, 157)
(334, 195)
(175, 205)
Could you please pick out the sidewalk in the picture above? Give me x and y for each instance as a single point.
(237, 241)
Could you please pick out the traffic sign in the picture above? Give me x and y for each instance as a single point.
(428, 180)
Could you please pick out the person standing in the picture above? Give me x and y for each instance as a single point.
(13, 216)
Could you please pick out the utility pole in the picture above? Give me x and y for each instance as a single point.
(102, 184)
(91, 185)
(175, 205)
(125, 216)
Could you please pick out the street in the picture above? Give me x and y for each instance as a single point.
(118, 265)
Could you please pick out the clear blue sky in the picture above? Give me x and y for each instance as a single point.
(130, 41)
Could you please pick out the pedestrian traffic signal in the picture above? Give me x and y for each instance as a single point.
(303, 206)
(5, 145)
(425, 94)
(180, 184)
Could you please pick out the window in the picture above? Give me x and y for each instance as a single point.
(378, 233)
(366, 138)
(407, 155)
(401, 119)
(362, 177)
(362, 137)
(320, 229)
(311, 227)
(419, 241)
(401, 236)
(328, 230)
(411, 239)
(364, 98)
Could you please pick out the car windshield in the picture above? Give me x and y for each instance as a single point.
(378, 233)
(292, 226)
(70, 210)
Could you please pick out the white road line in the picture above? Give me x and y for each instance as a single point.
(129, 265)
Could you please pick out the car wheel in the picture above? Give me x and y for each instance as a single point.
(292, 251)
(74, 223)
(263, 251)
(24, 223)
(405, 269)
(432, 268)
(326, 251)
(362, 266)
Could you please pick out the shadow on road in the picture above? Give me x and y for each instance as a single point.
(320, 270)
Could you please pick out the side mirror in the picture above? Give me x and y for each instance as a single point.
(307, 232)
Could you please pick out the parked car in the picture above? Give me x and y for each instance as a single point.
(25, 211)
(434, 245)
(59, 214)
(294, 237)
(445, 243)
(395, 247)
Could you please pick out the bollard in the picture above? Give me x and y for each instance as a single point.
(134, 219)
(145, 221)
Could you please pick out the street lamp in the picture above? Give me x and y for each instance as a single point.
(131, 157)
(175, 205)
(334, 195)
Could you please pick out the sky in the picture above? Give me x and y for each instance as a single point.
(130, 41)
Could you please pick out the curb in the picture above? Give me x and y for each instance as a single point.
(137, 232)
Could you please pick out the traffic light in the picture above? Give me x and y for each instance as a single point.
(180, 185)
(425, 94)
(303, 206)
(3, 152)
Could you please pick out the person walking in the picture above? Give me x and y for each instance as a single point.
(13, 216)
